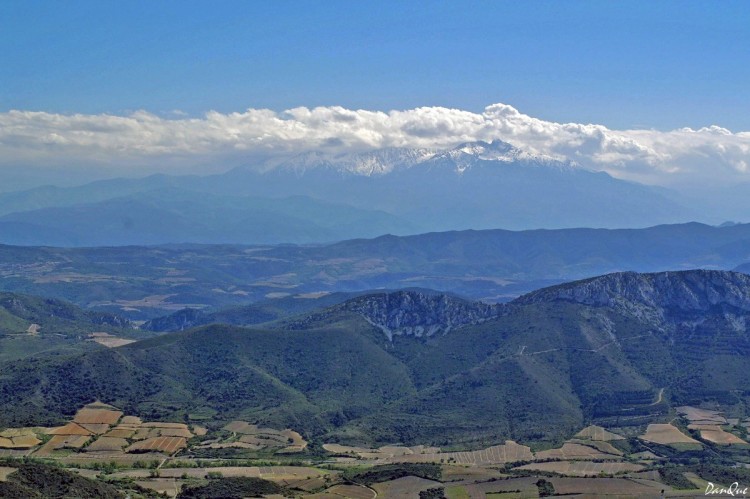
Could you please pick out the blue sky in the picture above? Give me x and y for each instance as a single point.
(621, 64)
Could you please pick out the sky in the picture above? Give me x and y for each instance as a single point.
(649, 91)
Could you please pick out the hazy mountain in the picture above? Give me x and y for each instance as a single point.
(534, 369)
(170, 215)
(318, 197)
(475, 185)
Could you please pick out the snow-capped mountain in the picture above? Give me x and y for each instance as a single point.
(370, 163)
(468, 154)
(321, 196)
(387, 160)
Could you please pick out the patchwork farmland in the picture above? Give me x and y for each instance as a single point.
(165, 456)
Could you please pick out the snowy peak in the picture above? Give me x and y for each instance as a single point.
(387, 160)
(469, 154)
(371, 163)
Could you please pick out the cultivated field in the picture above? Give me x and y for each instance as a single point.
(100, 435)
(168, 445)
(20, 438)
(666, 434)
(582, 468)
(709, 423)
(352, 491)
(696, 415)
(252, 437)
(598, 433)
(718, 436)
(599, 487)
(575, 451)
(511, 488)
(498, 454)
(108, 340)
(409, 486)
(109, 444)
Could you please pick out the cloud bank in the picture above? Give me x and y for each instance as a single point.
(143, 140)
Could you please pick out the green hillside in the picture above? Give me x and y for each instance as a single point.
(31, 325)
(538, 370)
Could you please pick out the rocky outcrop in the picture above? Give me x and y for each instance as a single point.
(179, 321)
(417, 313)
(657, 296)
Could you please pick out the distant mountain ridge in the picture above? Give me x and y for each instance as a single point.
(492, 265)
(476, 185)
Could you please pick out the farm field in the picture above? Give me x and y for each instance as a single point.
(109, 341)
(604, 486)
(409, 486)
(498, 454)
(571, 450)
(352, 491)
(667, 434)
(160, 456)
(581, 468)
(697, 415)
(717, 435)
(248, 436)
(598, 433)
(709, 423)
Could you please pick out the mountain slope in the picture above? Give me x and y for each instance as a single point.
(667, 294)
(18, 312)
(31, 325)
(535, 369)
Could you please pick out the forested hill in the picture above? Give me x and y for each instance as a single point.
(536, 369)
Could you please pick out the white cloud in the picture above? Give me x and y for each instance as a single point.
(145, 141)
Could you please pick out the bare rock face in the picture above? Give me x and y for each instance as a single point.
(659, 297)
(419, 314)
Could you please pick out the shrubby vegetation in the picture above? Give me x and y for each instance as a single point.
(37, 480)
(231, 488)
(388, 472)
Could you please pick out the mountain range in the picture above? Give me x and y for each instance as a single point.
(412, 366)
(143, 283)
(315, 197)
